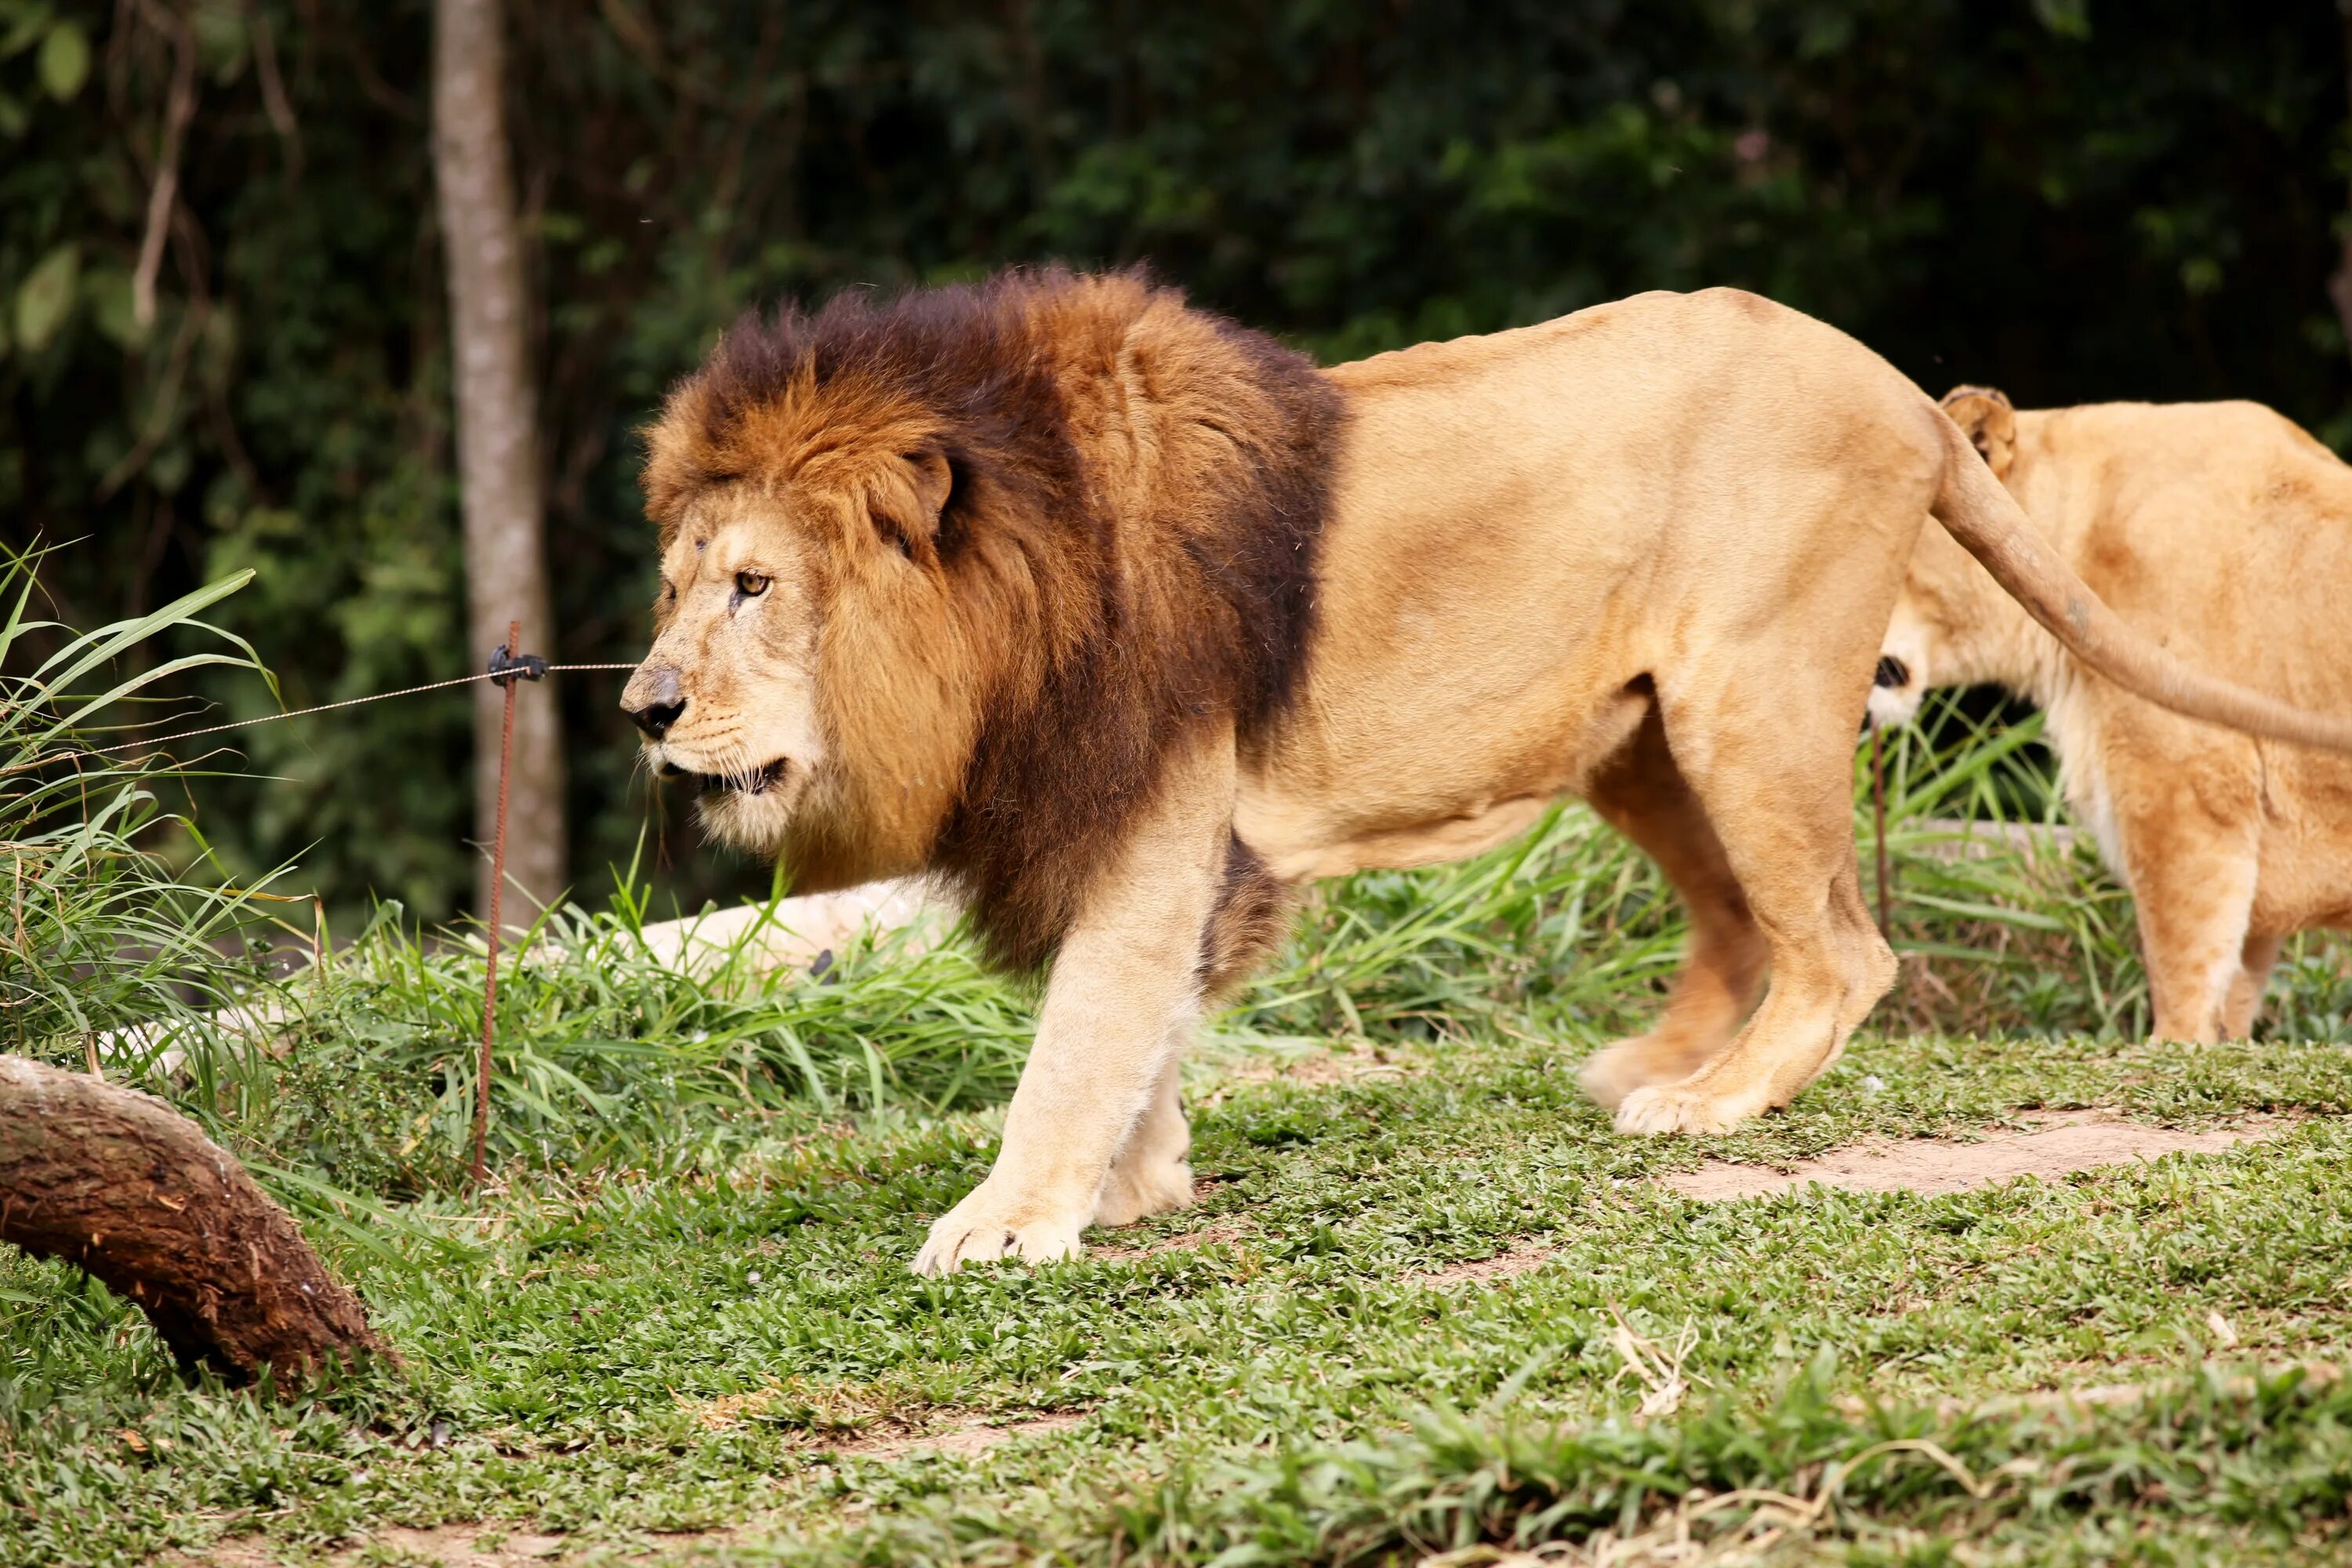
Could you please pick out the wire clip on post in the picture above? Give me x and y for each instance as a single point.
(507, 667)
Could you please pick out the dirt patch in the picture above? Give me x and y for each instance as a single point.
(506, 1546)
(1523, 1258)
(2109, 1395)
(1207, 1236)
(1328, 1068)
(453, 1545)
(821, 1407)
(871, 1423)
(466, 1546)
(729, 1409)
(963, 1442)
(1314, 1070)
(2064, 1142)
(222, 1554)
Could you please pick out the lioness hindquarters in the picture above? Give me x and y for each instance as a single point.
(2187, 825)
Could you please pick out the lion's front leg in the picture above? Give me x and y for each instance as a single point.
(1125, 989)
(1153, 1171)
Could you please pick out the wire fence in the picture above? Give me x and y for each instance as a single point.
(508, 669)
(525, 667)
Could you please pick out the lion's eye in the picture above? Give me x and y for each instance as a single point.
(750, 585)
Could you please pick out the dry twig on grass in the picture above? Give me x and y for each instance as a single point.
(1660, 1371)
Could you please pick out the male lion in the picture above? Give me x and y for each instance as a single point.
(1127, 622)
(2229, 529)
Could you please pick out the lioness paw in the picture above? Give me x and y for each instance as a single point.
(1676, 1108)
(982, 1230)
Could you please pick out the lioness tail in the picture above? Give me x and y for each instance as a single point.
(1990, 524)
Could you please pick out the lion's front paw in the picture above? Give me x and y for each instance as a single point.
(1676, 1108)
(986, 1226)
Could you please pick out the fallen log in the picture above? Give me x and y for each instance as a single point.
(124, 1186)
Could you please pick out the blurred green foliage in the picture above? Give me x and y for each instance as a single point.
(2075, 199)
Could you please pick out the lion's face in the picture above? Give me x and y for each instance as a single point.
(730, 694)
(808, 671)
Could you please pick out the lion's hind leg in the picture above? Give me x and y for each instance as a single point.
(1771, 766)
(1642, 793)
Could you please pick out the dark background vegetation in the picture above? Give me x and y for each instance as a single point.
(2075, 199)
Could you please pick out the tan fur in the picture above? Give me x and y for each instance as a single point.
(1646, 552)
(2226, 532)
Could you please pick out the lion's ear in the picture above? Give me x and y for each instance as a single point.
(910, 501)
(1988, 419)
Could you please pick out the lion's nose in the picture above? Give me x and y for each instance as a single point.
(653, 701)
(1892, 672)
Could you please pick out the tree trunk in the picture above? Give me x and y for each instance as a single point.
(133, 1191)
(497, 449)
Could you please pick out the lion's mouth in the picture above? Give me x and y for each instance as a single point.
(757, 782)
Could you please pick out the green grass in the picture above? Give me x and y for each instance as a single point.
(682, 1317)
(1278, 1386)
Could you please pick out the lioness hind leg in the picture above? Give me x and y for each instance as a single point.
(2246, 1002)
(1642, 793)
(2193, 914)
(1153, 1171)
(2193, 874)
(1772, 773)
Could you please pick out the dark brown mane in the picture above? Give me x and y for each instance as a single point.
(1138, 491)
(959, 353)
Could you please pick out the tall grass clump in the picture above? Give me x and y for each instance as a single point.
(613, 1054)
(1569, 925)
(354, 1074)
(97, 930)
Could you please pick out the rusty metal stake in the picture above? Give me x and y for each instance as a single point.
(1878, 812)
(498, 886)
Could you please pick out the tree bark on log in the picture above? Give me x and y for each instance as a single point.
(122, 1185)
(498, 438)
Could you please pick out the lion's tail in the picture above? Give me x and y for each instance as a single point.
(1987, 520)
